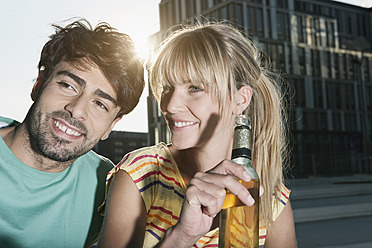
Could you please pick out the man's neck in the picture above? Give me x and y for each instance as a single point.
(18, 141)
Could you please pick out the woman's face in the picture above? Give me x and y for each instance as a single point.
(193, 117)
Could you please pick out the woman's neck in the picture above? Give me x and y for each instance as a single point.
(194, 160)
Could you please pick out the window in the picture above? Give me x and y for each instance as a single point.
(349, 96)
(300, 29)
(236, 14)
(368, 98)
(331, 100)
(259, 25)
(299, 97)
(281, 58)
(268, 15)
(255, 21)
(282, 25)
(315, 63)
(365, 69)
(351, 67)
(337, 124)
(327, 64)
(309, 7)
(343, 66)
(330, 34)
(289, 59)
(118, 143)
(350, 122)
(323, 121)
(132, 144)
(310, 121)
(180, 10)
(336, 65)
(318, 94)
(349, 25)
(301, 61)
(118, 151)
(190, 8)
(282, 4)
(314, 32)
(204, 4)
(223, 13)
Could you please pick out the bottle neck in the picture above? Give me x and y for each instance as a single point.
(241, 146)
(241, 153)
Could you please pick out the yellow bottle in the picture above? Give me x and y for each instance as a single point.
(239, 224)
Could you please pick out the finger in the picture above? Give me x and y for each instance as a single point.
(200, 200)
(227, 182)
(232, 168)
(210, 187)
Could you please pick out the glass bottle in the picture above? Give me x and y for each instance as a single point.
(239, 223)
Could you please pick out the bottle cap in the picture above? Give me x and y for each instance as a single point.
(242, 120)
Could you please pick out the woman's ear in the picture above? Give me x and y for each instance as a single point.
(242, 99)
(36, 88)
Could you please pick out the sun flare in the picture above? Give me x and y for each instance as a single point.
(142, 44)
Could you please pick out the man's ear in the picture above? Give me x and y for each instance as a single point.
(107, 133)
(36, 88)
(242, 99)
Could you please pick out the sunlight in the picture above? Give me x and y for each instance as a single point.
(142, 44)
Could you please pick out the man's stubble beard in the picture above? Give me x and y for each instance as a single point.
(47, 144)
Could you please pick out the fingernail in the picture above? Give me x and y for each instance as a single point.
(250, 200)
(247, 176)
(261, 190)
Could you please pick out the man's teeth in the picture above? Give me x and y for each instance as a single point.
(184, 124)
(66, 129)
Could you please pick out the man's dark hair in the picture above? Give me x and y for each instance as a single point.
(113, 52)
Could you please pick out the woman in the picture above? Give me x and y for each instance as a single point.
(170, 195)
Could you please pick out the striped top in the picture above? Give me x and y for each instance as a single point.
(155, 172)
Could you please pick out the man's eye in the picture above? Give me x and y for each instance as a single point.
(65, 85)
(101, 105)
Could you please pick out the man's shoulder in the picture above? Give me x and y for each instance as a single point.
(94, 160)
(5, 121)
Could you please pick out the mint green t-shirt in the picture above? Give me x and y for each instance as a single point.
(42, 209)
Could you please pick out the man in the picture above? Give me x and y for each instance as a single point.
(51, 181)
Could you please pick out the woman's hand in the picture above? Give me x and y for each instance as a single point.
(204, 199)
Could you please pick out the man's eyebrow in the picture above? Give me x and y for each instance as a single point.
(77, 79)
(104, 95)
(83, 83)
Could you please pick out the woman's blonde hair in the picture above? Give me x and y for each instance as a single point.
(220, 58)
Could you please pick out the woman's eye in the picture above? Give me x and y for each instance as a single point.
(166, 89)
(195, 89)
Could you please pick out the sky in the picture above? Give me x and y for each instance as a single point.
(26, 26)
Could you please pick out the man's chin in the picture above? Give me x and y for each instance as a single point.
(62, 154)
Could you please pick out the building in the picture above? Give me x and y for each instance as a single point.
(120, 143)
(324, 49)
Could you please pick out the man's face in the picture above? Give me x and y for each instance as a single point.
(74, 110)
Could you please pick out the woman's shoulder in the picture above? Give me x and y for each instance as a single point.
(152, 155)
(281, 198)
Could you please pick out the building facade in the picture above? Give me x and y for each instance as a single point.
(120, 143)
(323, 49)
